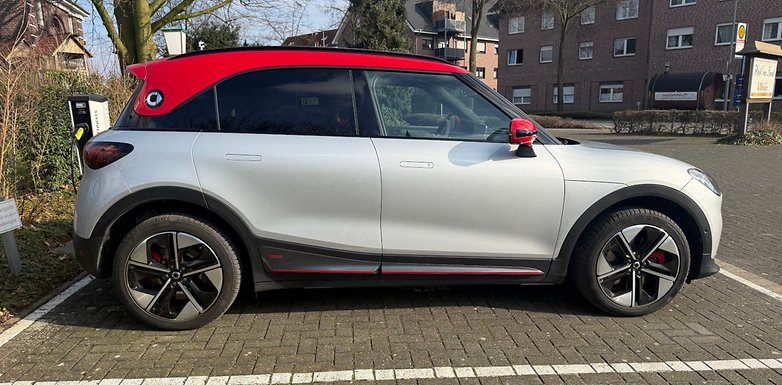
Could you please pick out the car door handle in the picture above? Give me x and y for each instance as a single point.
(243, 157)
(415, 164)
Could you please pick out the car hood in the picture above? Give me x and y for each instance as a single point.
(608, 163)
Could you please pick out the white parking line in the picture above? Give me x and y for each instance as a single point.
(738, 274)
(441, 372)
(25, 323)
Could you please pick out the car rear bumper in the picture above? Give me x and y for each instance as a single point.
(87, 251)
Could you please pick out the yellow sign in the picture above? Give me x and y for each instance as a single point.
(742, 31)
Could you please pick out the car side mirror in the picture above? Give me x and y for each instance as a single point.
(523, 132)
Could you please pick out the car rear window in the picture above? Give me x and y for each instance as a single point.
(196, 114)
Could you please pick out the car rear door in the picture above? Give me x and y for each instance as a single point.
(456, 198)
(288, 161)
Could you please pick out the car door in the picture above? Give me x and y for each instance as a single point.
(288, 161)
(455, 197)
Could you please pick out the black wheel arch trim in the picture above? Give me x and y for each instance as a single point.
(702, 263)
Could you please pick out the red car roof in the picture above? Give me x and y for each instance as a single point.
(182, 77)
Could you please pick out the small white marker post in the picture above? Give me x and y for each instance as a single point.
(10, 221)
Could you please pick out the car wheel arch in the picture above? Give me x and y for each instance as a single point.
(673, 203)
(136, 207)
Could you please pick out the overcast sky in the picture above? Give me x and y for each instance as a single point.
(104, 60)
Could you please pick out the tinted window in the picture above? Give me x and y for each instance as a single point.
(435, 106)
(196, 114)
(290, 101)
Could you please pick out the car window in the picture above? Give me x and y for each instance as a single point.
(435, 106)
(196, 114)
(288, 101)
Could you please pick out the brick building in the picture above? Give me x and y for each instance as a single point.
(50, 30)
(614, 49)
(442, 28)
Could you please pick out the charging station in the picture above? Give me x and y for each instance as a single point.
(90, 117)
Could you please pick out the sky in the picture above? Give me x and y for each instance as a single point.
(104, 60)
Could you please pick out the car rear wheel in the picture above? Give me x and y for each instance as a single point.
(631, 262)
(176, 272)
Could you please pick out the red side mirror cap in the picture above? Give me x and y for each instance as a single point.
(522, 132)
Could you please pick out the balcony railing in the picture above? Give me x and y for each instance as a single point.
(449, 25)
(450, 53)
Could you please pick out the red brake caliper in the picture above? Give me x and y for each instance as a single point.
(658, 257)
(156, 257)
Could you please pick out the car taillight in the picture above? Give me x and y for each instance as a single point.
(101, 154)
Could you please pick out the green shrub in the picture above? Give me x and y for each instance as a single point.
(580, 115)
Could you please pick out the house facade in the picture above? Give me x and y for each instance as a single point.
(614, 50)
(49, 30)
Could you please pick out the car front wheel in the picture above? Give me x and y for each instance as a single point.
(176, 272)
(631, 262)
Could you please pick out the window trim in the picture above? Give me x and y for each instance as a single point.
(540, 54)
(592, 52)
(685, 3)
(543, 19)
(679, 33)
(717, 34)
(594, 15)
(565, 94)
(479, 70)
(519, 30)
(637, 11)
(478, 45)
(773, 20)
(521, 103)
(517, 63)
(777, 89)
(625, 47)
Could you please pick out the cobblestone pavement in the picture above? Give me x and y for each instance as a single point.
(480, 329)
(751, 181)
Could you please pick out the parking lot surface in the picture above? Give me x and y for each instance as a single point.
(717, 331)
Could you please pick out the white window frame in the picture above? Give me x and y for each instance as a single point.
(568, 94)
(681, 3)
(480, 72)
(625, 8)
(479, 45)
(717, 34)
(497, 49)
(516, 55)
(767, 22)
(585, 44)
(524, 97)
(679, 34)
(626, 39)
(546, 48)
(612, 94)
(591, 12)
(495, 73)
(515, 25)
(547, 21)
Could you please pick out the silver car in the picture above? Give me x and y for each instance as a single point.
(289, 168)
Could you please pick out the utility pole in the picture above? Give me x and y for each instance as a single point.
(731, 56)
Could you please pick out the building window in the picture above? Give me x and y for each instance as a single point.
(461, 44)
(495, 73)
(515, 56)
(612, 92)
(778, 89)
(772, 29)
(496, 49)
(681, 3)
(515, 25)
(624, 46)
(585, 50)
(428, 43)
(680, 38)
(480, 72)
(568, 94)
(481, 47)
(588, 16)
(546, 54)
(547, 20)
(627, 9)
(522, 95)
(724, 35)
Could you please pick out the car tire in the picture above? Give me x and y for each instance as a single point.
(176, 272)
(631, 262)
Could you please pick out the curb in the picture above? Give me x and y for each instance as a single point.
(40, 302)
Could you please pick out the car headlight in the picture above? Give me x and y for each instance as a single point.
(705, 179)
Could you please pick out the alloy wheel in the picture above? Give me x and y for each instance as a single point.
(174, 275)
(638, 266)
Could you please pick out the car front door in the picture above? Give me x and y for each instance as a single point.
(288, 160)
(455, 197)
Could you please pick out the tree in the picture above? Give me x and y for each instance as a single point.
(475, 25)
(381, 25)
(214, 35)
(134, 23)
(565, 11)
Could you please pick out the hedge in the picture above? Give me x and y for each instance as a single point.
(683, 122)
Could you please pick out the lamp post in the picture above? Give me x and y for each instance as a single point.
(176, 40)
(731, 56)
